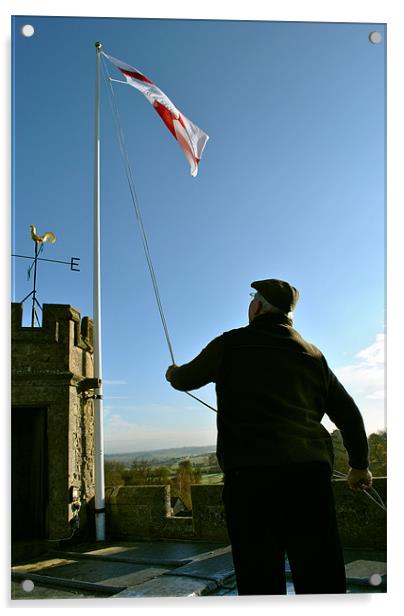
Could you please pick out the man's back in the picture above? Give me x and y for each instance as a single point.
(272, 388)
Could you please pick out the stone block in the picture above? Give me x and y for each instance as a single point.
(208, 512)
(169, 586)
(135, 512)
(178, 528)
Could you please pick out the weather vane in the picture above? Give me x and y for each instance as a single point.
(40, 240)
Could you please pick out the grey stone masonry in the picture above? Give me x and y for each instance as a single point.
(208, 512)
(144, 512)
(136, 512)
(49, 364)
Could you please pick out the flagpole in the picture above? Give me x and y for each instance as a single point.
(98, 403)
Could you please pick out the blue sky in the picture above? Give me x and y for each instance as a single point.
(291, 185)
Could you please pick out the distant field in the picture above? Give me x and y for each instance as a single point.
(159, 456)
(212, 479)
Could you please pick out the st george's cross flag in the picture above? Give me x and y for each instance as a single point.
(190, 137)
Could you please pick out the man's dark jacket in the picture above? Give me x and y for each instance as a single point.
(273, 389)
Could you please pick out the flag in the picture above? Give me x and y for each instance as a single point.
(190, 137)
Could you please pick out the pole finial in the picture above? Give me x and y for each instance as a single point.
(98, 46)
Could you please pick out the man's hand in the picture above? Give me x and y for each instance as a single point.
(169, 372)
(359, 479)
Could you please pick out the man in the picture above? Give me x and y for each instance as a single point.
(273, 388)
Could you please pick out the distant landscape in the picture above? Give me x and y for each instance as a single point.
(168, 456)
(182, 467)
(178, 468)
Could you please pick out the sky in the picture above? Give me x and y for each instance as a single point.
(291, 185)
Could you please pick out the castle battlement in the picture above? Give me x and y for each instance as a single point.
(62, 346)
(59, 322)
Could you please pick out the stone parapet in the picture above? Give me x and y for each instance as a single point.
(361, 523)
(208, 512)
(143, 512)
(137, 511)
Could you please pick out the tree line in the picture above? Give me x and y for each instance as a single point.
(377, 453)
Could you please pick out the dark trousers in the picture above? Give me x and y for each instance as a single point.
(276, 511)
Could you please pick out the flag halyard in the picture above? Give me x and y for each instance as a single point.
(190, 137)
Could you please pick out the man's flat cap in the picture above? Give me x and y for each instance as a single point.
(278, 293)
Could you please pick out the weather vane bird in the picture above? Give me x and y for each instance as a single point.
(41, 239)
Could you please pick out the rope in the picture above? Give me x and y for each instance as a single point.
(135, 201)
(370, 492)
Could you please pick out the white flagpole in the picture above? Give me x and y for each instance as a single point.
(98, 405)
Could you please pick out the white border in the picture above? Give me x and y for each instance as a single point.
(383, 11)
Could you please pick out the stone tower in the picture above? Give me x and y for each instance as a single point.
(52, 421)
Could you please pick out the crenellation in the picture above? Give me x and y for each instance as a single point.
(87, 334)
(61, 323)
(16, 316)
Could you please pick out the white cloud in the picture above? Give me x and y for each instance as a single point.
(366, 377)
(377, 395)
(373, 355)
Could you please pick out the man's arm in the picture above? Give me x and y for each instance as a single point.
(342, 410)
(203, 369)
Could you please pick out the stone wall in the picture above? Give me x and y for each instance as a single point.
(48, 365)
(208, 512)
(361, 522)
(144, 513)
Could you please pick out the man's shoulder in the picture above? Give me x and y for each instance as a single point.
(290, 336)
(236, 332)
(310, 348)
